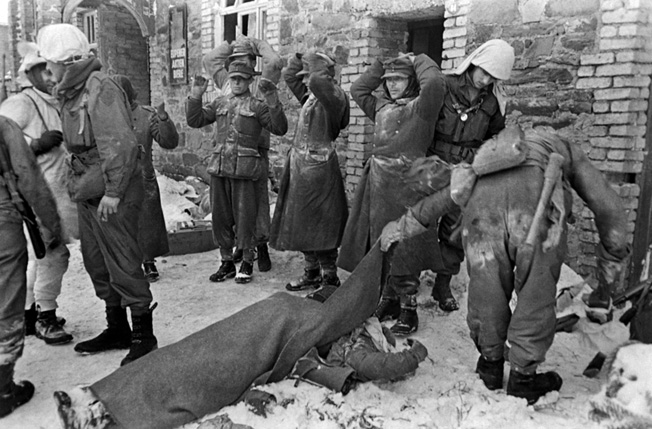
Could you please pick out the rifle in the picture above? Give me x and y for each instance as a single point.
(19, 202)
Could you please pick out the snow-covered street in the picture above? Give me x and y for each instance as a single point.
(444, 393)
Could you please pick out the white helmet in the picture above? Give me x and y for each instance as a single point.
(63, 43)
(31, 58)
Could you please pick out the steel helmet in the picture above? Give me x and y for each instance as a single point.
(63, 43)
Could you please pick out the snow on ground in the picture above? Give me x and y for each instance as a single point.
(443, 393)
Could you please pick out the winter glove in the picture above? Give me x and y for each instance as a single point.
(48, 141)
(199, 86)
(419, 350)
(398, 230)
(269, 91)
(462, 181)
(160, 111)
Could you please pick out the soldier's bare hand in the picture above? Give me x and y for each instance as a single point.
(108, 206)
(199, 86)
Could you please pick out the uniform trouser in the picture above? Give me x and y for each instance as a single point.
(263, 220)
(112, 256)
(450, 242)
(234, 214)
(401, 286)
(13, 266)
(45, 277)
(496, 220)
(324, 259)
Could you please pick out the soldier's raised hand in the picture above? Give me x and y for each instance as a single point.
(199, 86)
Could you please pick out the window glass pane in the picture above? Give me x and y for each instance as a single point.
(230, 23)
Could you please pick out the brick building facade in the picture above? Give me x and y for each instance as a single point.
(582, 70)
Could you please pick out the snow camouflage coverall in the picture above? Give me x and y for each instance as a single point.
(236, 164)
(152, 233)
(214, 367)
(496, 221)
(97, 128)
(403, 132)
(13, 250)
(456, 140)
(36, 112)
(311, 209)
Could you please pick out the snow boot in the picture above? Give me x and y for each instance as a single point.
(226, 271)
(408, 320)
(244, 274)
(82, 409)
(30, 320)
(50, 330)
(491, 372)
(151, 273)
(143, 340)
(532, 386)
(311, 278)
(264, 263)
(12, 395)
(388, 309)
(441, 292)
(117, 335)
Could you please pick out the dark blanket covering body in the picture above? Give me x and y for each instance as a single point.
(212, 368)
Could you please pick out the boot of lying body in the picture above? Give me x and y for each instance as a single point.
(50, 330)
(117, 335)
(532, 386)
(143, 340)
(491, 372)
(311, 278)
(82, 409)
(408, 320)
(441, 292)
(12, 395)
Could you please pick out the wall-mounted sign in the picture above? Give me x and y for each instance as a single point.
(178, 46)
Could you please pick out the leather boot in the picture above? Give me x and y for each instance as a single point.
(491, 372)
(532, 386)
(143, 340)
(441, 292)
(311, 278)
(264, 263)
(30, 320)
(329, 285)
(12, 395)
(49, 330)
(238, 255)
(116, 336)
(408, 321)
(226, 271)
(389, 308)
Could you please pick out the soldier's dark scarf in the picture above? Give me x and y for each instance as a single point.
(74, 79)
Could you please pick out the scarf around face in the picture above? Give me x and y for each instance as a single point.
(75, 77)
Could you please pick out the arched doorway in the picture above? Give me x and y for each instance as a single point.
(119, 31)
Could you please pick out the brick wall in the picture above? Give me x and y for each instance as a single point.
(123, 49)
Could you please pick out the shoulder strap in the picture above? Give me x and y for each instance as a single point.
(40, 115)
